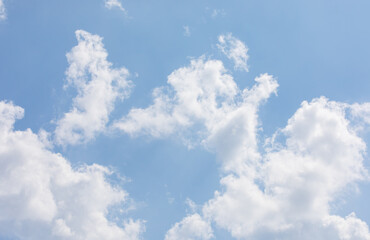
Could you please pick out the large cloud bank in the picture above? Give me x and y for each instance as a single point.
(283, 191)
(235, 50)
(114, 4)
(282, 188)
(43, 197)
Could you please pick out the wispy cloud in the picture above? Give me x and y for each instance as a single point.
(2, 10)
(218, 12)
(235, 50)
(187, 32)
(114, 4)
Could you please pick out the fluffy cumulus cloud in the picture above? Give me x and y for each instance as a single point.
(198, 99)
(284, 191)
(291, 188)
(43, 197)
(114, 4)
(235, 50)
(2, 10)
(192, 96)
(98, 87)
(192, 227)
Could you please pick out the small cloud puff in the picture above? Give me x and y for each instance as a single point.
(192, 227)
(187, 32)
(114, 4)
(43, 197)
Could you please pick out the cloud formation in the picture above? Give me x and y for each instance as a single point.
(198, 98)
(235, 50)
(284, 189)
(98, 87)
(193, 227)
(114, 4)
(2, 10)
(289, 191)
(43, 197)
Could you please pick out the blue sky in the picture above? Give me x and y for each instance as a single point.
(166, 161)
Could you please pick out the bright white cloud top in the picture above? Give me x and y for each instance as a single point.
(191, 227)
(98, 86)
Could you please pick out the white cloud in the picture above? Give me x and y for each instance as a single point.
(198, 99)
(114, 4)
(288, 193)
(235, 50)
(348, 228)
(98, 86)
(283, 191)
(192, 227)
(187, 32)
(194, 95)
(234, 137)
(43, 197)
(192, 206)
(2, 10)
